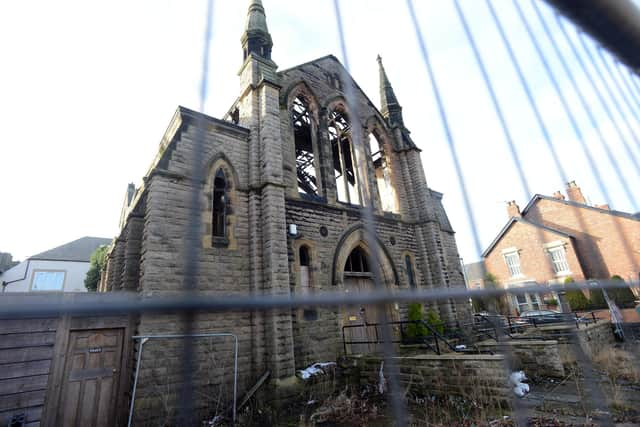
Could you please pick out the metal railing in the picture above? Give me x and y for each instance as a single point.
(432, 339)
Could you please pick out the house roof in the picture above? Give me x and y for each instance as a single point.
(512, 221)
(536, 198)
(620, 214)
(78, 250)
(474, 270)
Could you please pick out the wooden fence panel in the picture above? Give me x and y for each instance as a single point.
(26, 353)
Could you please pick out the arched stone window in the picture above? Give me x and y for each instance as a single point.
(382, 174)
(343, 158)
(410, 274)
(305, 157)
(357, 262)
(219, 208)
(304, 257)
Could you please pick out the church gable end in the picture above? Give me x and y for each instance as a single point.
(282, 202)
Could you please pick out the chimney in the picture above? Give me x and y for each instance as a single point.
(513, 209)
(558, 195)
(574, 193)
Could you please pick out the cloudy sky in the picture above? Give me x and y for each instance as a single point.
(87, 90)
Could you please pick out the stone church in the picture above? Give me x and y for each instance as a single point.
(282, 213)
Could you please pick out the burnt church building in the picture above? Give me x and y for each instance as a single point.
(283, 195)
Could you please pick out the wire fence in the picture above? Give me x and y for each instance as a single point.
(190, 301)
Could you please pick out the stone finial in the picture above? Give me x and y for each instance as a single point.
(256, 38)
(558, 195)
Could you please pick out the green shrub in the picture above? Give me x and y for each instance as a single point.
(577, 300)
(435, 322)
(551, 302)
(491, 304)
(416, 330)
(596, 299)
(623, 297)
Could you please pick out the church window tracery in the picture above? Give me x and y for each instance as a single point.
(343, 158)
(382, 174)
(357, 262)
(305, 158)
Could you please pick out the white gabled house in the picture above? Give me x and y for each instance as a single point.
(61, 269)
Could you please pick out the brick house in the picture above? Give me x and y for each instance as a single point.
(282, 213)
(555, 237)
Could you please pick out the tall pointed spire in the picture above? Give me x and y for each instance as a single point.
(256, 38)
(391, 109)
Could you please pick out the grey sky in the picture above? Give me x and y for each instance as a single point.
(88, 88)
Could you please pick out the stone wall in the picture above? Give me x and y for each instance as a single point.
(537, 358)
(258, 256)
(318, 337)
(481, 378)
(596, 337)
(590, 339)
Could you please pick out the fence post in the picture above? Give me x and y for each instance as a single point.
(344, 343)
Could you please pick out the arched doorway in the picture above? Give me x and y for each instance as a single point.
(362, 321)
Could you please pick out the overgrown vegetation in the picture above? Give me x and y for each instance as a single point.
(619, 368)
(417, 330)
(98, 262)
(576, 298)
(623, 297)
(490, 304)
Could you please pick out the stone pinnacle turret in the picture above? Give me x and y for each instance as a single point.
(390, 107)
(256, 38)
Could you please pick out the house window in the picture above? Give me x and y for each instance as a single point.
(513, 263)
(305, 158)
(409, 267)
(527, 302)
(48, 281)
(381, 171)
(343, 164)
(219, 220)
(521, 302)
(559, 260)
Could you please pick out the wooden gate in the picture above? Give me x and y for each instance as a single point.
(90, 380)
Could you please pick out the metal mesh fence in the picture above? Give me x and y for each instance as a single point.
(209, 362)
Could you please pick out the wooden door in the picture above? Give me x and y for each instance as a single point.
(361, 319)
(90, 380)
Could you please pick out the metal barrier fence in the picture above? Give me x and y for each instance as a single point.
(142, 339)
(189, 302)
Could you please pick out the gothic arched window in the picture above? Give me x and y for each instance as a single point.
(357, 262)
(381, 171)
(305, 158)
(343, 158)
(219, 208)
(410, 274)
(304, 258)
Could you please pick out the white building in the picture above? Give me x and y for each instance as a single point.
(61, 269)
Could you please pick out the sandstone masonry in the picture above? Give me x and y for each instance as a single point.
(283, 155)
